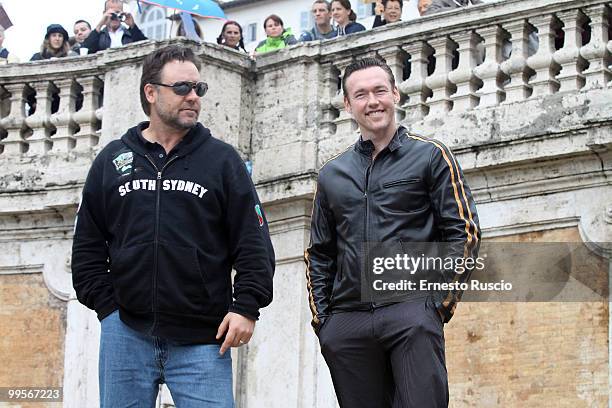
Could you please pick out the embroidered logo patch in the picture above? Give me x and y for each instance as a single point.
(259, 215)
(123, 162)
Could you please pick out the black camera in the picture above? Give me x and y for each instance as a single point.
(118, 16)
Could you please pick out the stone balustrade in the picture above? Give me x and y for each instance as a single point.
(457, 79)
(481, 57)
(51, 110)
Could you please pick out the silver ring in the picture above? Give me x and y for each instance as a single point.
(241, 342)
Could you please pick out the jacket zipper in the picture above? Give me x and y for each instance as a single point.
(156, 234)
(367, 237)
(367, 218)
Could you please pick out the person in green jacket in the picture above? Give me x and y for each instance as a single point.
(278, 36)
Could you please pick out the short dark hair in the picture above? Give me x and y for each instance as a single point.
(154, 63)
(365, 63)
(327, 3)
(274, 18)
(401, 3)
(82, 21)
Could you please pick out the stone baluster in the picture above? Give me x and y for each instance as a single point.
(542, 62)
(5, 106)
(570, 78)
(414, 87)
(463, 77)
(5, 102)
(329, 91)
(595, 52)
(344, 122)
(609, 47)
(491, 93)
(438, 82)
(40, 121)
(396, 58)
(14, 123)
(62, 119)
(86, 117)
(516, 66)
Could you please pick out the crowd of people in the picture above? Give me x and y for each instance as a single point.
(332, 19)
(117, 28)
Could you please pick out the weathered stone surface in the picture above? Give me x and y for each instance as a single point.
(529, 354)
(32, 332)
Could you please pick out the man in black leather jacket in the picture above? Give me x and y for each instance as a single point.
(390, 187)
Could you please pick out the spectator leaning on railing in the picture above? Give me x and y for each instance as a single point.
(81, 29)
(113, 34)
(322, 30)
(55, 44)
(345, 17)
(278, 36)
(231, 36)
(391, 10)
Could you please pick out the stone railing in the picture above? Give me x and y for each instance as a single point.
(462, 64)
(502, 84)
(519, 89)
(52, 107)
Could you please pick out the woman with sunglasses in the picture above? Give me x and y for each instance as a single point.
(278, 36)
(345, 17)
(231, 36)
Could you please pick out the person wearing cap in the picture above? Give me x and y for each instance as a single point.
(55, 45)
(110, 31)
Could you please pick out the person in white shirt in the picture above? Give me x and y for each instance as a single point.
(115, 29)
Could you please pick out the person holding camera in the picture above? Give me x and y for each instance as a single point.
(110, 31)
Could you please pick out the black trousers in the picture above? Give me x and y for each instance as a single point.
(392, 356)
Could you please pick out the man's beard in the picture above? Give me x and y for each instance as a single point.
(174, 121)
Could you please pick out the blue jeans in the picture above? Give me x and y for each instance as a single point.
(132, 365)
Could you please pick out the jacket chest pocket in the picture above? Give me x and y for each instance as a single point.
(404, 195)
(401, 182)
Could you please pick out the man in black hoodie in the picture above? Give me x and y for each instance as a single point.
(167, 212)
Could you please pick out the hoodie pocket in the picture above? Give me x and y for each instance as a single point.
(180, 282)
(131, 273)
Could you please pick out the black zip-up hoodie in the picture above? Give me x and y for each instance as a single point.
(159, 244)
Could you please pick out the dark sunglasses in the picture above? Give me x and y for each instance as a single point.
(183, 88)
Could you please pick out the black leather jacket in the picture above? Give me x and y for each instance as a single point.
(414, 191)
